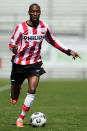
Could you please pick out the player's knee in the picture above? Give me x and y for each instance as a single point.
(32, 90)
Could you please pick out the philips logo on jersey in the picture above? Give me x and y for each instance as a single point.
(34, 37)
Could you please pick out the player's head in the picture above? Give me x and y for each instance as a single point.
(34, 12)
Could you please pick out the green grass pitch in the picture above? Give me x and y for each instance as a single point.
(64, 102)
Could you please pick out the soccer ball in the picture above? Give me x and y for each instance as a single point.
(38, 119)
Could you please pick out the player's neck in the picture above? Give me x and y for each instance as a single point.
(33, 23)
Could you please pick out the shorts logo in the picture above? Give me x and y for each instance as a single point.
(37, 70)
(12, 80)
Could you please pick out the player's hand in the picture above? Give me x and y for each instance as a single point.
(15, 48)
(75, 55)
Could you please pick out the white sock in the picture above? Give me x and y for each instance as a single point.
(27, 104)
(29, 99)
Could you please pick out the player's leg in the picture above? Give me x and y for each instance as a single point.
(32, 83)
(33, 75)
(15, 91)
(17, 78)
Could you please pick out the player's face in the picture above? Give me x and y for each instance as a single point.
(34, 13)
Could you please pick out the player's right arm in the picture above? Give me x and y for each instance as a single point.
(13, 45)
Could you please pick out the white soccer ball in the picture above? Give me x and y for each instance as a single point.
(38, 119)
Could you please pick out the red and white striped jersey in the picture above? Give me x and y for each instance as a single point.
(29, 41)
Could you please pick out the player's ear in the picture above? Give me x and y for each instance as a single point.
(40, 12)
(28, 12)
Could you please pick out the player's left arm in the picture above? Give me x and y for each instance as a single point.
(57, 44)
(74, 54)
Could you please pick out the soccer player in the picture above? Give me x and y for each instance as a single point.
(27, 62)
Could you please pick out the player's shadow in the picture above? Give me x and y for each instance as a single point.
(27, 124)
(23, 124)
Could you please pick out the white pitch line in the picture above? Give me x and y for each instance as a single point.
(3, 88)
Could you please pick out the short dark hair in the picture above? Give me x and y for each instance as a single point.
(34, 4)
